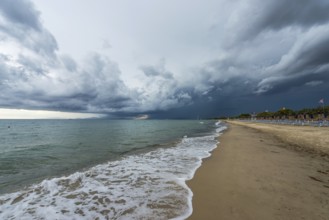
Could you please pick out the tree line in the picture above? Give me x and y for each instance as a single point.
(285, 113)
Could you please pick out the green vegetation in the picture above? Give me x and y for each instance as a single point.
(244, 116)
(284, 113)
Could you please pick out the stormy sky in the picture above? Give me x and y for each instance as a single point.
(164, 58)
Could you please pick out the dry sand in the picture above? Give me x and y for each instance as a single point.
(301, 138)
(262, 172)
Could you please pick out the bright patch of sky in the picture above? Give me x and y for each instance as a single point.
(41, 114)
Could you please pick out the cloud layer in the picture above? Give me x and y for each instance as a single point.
(212, 58)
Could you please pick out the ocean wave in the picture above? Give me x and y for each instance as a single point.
(148, 185)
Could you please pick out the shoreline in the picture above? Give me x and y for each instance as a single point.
(118, 188)
(256, 174)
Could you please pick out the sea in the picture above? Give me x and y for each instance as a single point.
(100, 168)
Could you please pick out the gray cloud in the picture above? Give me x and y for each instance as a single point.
(305, 13)
(31, 66)
(21, 12)
(152, 71)
(21, 22)
(266, 48)
(97, 87)
(272, 15)
(300, 28)
(159, 70)
(308, 58)
(44, 80)
(314, 83)
(69, 63)
(102, 77)
(162, 91)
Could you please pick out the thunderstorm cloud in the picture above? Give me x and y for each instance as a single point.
(182, 59)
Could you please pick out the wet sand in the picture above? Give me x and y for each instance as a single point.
(263, 172)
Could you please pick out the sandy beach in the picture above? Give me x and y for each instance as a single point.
(264, 172)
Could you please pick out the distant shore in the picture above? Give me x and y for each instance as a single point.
(262, 171)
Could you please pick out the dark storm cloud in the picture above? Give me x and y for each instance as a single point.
(101, 88)
(42, 79)
(103, 77)
(97, 87)
(226, 98)
(283, 85)
(303, 13)
(223, 77)
(45, 80)
(300, 66)
(278, 14)
(250, 74)
(21, 21)
(237, 97)
(49, 81)
(21, 12)
(308, 59)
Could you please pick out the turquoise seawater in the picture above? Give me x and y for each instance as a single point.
(88, 169)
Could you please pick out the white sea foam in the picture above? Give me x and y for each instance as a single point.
(144, 186)
(220, 127)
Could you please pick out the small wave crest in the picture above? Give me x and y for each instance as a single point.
(220, 126)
